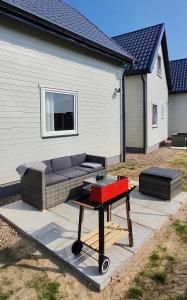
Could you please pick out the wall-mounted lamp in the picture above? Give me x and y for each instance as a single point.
(117, 91)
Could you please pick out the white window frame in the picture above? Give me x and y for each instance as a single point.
(159, 71)
(154, 125)
(46, 133)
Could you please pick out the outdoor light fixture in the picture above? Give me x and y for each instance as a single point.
(117, 90)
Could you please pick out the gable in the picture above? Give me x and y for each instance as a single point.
(159, 53)
(144, 44)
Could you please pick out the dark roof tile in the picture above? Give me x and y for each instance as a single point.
(59, 13)
(178, 71)
(142, 45)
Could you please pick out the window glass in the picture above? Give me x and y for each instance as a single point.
(154, 115)
(59, 112)
(159, 65)
(162, 111)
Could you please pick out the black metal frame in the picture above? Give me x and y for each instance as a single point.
(101, 209)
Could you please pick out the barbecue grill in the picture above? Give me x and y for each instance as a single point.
(100, 196)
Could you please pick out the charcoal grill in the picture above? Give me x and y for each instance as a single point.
(109, 233)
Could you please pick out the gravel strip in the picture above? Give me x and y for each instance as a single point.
(6, 233)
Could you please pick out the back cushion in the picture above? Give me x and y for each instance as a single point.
(49, 166)
(61, 163)
(78, 159)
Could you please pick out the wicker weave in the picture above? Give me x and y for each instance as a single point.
(162, 188)
(33, 189)
(35, 192)
(179, 140)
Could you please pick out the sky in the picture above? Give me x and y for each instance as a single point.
(115, 17)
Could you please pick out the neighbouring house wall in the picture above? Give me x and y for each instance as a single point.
(157, 93)
(177, 111)
(134, 112)
(29, 58)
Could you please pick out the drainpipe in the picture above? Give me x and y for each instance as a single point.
(144, 113)
(123, 125)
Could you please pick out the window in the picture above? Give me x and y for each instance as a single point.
(162, 111)
(59, 113)
(154, 115)
(159, 65)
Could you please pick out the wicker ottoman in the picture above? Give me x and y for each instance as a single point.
(179, 140)
(161, 183)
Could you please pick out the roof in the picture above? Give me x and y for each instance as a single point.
(143, 44)
(58, 15)
(178, 71)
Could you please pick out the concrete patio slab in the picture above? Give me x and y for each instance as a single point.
(166, 207)
(145, 216)
(179, 148)
(56, 230)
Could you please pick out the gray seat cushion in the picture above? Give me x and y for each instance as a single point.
(89, 170)
(78, 159)
(53, 178)
(160, 172)
(49, 166)
(71, 173)
(61, 163)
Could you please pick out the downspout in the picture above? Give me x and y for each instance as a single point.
(123, 152)
(144, 113)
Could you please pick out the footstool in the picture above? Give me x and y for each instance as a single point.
(161, 183)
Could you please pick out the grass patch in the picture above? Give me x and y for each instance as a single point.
(159, 276)
(171, 258)
(143, 274)
(154, 258)
(130, 167)
(45, 289)
(181, 297)
(5, 295)
(134, 292)
(162, 248)
(180, 229)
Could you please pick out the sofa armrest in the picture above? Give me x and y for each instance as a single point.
(97, 159)
(33, 188)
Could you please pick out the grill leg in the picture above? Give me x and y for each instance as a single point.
(129, 223)
(109, 213)
(101, 235)
(81, 217)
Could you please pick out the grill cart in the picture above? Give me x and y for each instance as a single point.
(100, 196)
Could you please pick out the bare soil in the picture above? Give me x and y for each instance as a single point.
(28, 272)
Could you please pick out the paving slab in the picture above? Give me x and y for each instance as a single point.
(70, 211)
(145, 216)
(167, 207)
(141, 234)
(56, 230)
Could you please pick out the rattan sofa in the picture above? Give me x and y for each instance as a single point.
(62, 180)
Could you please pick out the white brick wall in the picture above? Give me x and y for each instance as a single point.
(29, 58)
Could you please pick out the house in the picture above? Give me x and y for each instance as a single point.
(178, 97)
(60, 79)
(146, 88)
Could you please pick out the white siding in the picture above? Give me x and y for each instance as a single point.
(134, 111)
(29, 58)
(177, 113)
(157, 93)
